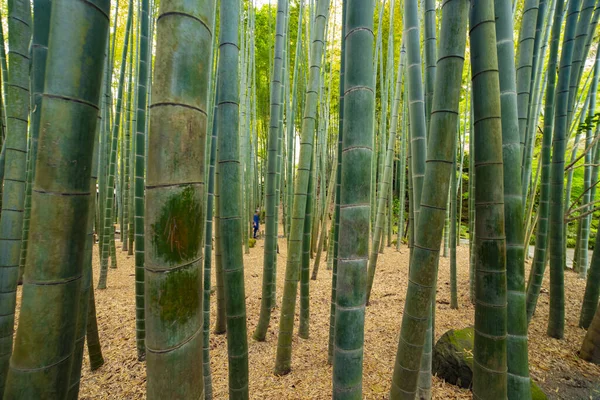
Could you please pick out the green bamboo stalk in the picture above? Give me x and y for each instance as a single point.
(430, 45)
(579, 53)
(304, 324)
(385, 183)
(569, 185)
(518, 384)
(377, 60)
(411, 197)
(55, 262)
(13, 195)
(133, 129)
(125, 151)
(208, 237)
(542, 35)
(271, 212)
(221, 319)
(355, 203)
(286, 322)
(102, 151)
(291, 137)
(330, 241)
(446, 239)
(586, 222)
(4, 78)
(472, 215)
(87, 276)
(402, 161)
(143, 71)
(461, 166)
(453, 238)
(92, 337)
(4, 71)
(39, 49)
(386, 78)
(524, 70)
(230, 220)
(541, 239)
(108, 201)
(530, 225)
(490, 357)
(279, 163)
(592, 289)
(338, 182)
(321, 241)
(556, 320)
(423, 271)
(419, 135)
(174, 217)
(416, 100)
(590, 347)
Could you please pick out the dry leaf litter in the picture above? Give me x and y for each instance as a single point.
(554, 364)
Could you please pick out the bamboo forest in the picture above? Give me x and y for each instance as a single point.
(299, 199)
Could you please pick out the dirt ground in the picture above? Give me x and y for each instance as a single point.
(554, 364)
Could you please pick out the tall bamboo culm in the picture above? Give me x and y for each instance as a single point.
(15, 148)
(290, 289)
(556, 320)
(108, 201)
(271, 213)
(536, 274)
(355, 205)
(230, 199)
(174, 223)
(338, 179)
(518, 384)
(428, 235)
(384, 189)
(489, 356)
(55, 261)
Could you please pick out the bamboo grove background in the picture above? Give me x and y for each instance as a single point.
(159, 128)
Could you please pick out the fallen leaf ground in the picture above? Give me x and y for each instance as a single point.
(554, 364)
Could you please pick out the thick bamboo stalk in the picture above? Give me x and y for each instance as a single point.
(355, 192)
(536, 275)
(338, 180)
(417, 309)
(231, 220)
(139, 169)
(524, 70)
(321, 241)
(39, 50)
(385, 184)
(15, 165)
(303, 326)
(538, 82)
(489, 355)
(271, 212)
(55, 263)
(556, 320)
(286, 325)
(518, 384)
(108, 201)
(174, 219)
(585, 222)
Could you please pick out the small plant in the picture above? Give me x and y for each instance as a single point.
(251, 242)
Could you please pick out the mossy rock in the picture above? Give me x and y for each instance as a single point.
(453, 357)
(251, 242)
(453, 360)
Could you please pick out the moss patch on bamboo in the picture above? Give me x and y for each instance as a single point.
(174, 236)
(178, 298)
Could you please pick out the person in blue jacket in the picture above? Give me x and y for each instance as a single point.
(256, 223)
